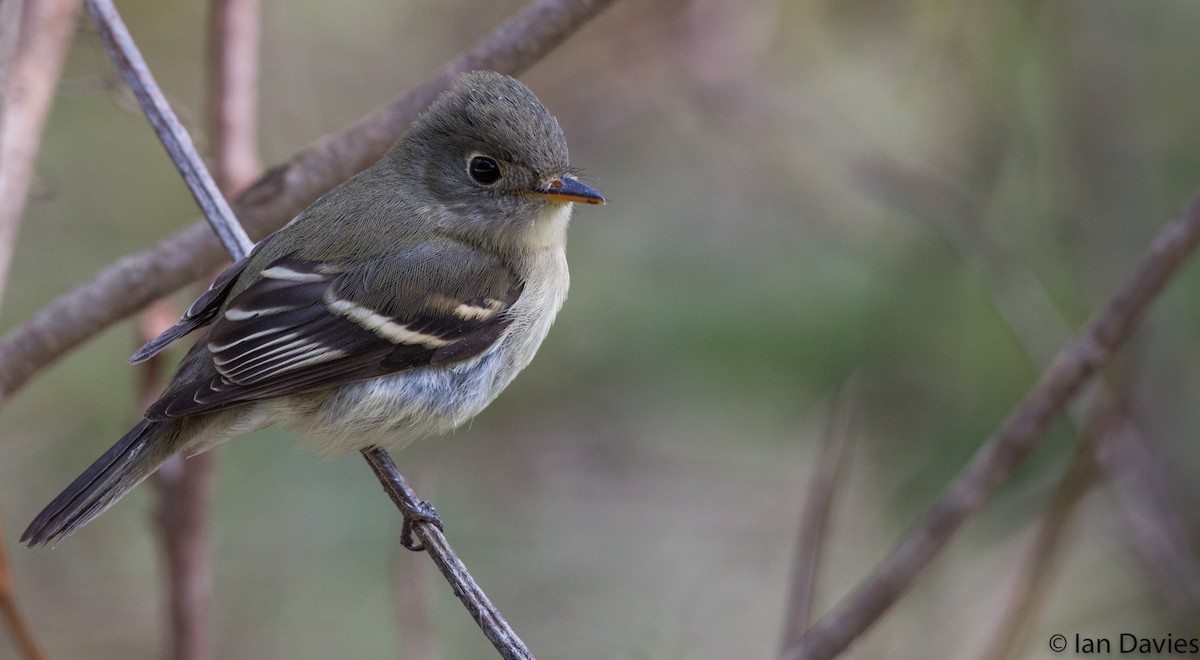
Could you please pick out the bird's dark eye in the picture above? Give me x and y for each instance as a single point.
(484, 170)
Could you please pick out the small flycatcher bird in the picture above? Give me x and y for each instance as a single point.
(397, 306)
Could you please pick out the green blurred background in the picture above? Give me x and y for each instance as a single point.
(913, 194)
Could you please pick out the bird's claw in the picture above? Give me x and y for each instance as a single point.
(424, 512)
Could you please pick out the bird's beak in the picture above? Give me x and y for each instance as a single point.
(567, 189)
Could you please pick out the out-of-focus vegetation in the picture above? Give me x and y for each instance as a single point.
(798, 192)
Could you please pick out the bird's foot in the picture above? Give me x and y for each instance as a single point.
(424, 512)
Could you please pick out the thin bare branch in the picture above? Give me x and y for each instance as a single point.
(18, 628)
(174, 137)
(38, 49)
(184, 513)
(814, 518)
(1158, 532)
(233, 65)
(473, 598)
(1036, 573)
(135, 281)
(1001, 453)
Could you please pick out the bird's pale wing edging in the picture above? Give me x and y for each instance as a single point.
(200, 314)
(304, 326)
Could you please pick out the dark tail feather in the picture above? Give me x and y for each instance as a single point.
(134, 457)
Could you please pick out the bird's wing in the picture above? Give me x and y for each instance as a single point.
(303, 326)
(200, 314)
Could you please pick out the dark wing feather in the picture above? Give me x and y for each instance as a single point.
(304, 326)
(200, 314)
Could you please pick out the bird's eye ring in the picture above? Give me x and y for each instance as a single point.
(484, 170)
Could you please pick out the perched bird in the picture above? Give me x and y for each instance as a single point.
(397, 306)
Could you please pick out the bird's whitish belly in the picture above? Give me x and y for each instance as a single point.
(392, 411)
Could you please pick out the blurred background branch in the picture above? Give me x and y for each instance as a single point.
(18, 628)
(1144, 489)
(1038, 570)
(827, 475)
(182, 515)
(1154, 516)
(995, 461)
(33, 44)
(232, 108)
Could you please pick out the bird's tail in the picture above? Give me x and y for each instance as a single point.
(134, 457)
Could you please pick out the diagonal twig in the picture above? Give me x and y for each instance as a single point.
(1036, 573)
(473, 598)
(814, 517)
(133, 282)
(172, 133)
(1158, 531)
(1001, 453)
